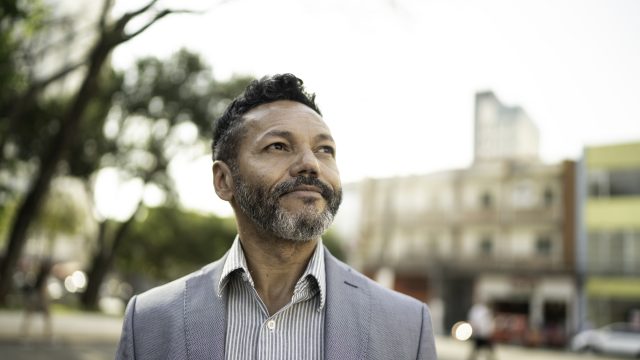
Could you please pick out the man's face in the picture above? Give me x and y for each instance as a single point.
(286, 179)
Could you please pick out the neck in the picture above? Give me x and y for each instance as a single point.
(275, 264)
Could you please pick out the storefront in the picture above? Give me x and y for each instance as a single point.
(529, 310)
(612, 299)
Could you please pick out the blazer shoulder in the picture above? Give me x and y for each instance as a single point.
(396, 325)
(157, 320)
(374, 289)
(172, 293)
(392, 297)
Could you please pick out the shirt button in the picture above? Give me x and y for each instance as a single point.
(271, 324)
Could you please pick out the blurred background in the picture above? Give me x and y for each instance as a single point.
(489, 152)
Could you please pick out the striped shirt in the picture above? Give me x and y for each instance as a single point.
(294, 332)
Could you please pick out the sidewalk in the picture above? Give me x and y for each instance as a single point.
(451, 349)
(93, 336)
(67, 327)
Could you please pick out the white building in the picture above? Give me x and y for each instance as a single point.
(503, 132)
(501, 230)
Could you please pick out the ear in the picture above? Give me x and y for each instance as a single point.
(222, 180)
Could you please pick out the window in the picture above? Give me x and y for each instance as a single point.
(598, 183)
(617, 249)
(486, 245)
(614, 183)
(633, 252)
(543, 245)
(613, 251)
(597, 252)
(547, 197)
(486, 200)
(624, 182)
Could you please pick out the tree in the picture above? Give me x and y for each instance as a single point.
(19, 20)
(111, 34)
(163, 109)
(334, 243)
(166, 242)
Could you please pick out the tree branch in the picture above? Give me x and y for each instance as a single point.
(158, 16)
(56, 76)
(102, 24)
(143, 9)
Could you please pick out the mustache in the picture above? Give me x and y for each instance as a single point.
(288, 186)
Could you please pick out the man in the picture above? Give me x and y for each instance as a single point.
(481, 320)
(278, 293)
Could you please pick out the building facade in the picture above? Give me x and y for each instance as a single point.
(610, 263)
(500, 231)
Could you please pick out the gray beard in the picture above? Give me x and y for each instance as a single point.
(264, 209)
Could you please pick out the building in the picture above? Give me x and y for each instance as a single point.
(609, 265)
(503, 132)
(500, 231)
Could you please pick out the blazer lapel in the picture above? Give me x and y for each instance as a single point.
(205, 314)
(348, 312)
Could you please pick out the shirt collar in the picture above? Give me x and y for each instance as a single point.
(237, 261)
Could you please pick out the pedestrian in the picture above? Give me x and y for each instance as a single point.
(482, 325)
(36, 300)
(278, 293)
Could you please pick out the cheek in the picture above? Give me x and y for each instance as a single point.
(332, 175)
(266, 173)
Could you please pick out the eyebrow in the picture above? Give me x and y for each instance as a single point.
(289, 136)
(321, 137)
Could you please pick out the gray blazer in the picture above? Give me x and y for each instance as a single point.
(186, 319)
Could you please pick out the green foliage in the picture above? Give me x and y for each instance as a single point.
(166, 243)
(61, 213)
(22, 137)
(86, 154)
(331, 240)
(181, 88)
(163, 108)
(7, 210)
(19, 21)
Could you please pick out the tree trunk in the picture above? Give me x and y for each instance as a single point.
(28, 209)
(110, 37)
(89, 298)
(103, 261)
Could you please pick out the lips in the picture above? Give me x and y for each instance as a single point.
(306, 191)
(307, 188)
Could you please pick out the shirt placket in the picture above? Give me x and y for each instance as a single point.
(271, 327)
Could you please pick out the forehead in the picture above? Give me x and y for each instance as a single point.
(286, 115)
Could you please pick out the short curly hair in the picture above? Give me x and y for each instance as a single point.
(227, 129)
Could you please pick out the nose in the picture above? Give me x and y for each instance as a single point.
(306, 164)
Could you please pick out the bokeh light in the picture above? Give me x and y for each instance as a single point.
(75, 282)
(461, 331)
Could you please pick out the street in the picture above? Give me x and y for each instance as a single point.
(15, 350)
(450, 349)
(447, 350)
(80, 336)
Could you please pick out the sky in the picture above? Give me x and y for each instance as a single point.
(396, 79)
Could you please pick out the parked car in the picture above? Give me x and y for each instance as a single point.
(617, 338)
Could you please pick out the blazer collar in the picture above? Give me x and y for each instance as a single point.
(205, 314)
(348, 312)
(347, 317)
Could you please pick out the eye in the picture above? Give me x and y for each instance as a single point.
(278, 146)
(327, 150)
